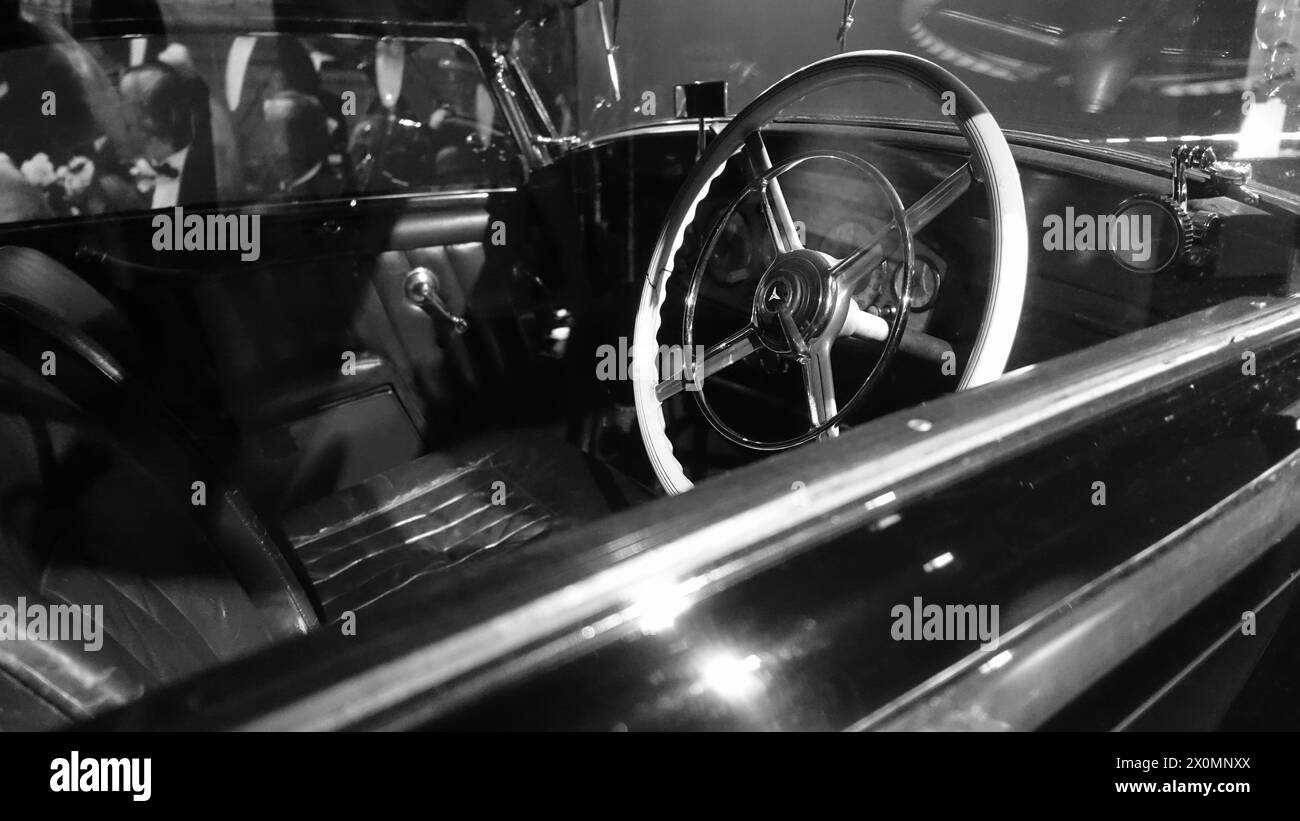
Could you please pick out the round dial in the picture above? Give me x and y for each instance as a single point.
(925, 286)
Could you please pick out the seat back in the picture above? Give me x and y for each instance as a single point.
(104, 502)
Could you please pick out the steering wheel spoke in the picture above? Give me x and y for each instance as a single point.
(776, 211)
(855, 267)
(922, 212)
(819, 384)
(691, 376)
(791, 329)
(858, 265)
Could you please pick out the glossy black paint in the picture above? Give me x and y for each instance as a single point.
(819, 624)
(813, 632)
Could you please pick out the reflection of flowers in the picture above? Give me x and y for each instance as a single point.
(76, 177)
(39, 171)
(66, 187)
(144, 176)
(7, 167)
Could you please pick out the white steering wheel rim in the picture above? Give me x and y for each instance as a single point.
(990, 156)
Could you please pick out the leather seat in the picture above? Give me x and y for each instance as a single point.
(97, 506)
(96, 509)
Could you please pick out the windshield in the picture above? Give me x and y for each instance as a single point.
(1140, 75)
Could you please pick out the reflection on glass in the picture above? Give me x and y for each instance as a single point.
(657, 607)
(730, 676)
(1000, 660)
(390, 65)
(938, 562)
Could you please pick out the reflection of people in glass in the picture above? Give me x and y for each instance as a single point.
(256, 69)
(438, 129)
(92, 23)
(441, 86)
(39, 66)
(293, 150)
(58, 124)
(167, 124)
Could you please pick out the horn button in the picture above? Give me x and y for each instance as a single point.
(800, 282)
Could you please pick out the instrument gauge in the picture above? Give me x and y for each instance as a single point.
(925, 284)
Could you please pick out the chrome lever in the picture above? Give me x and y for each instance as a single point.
(1198, 156)
(421, 288)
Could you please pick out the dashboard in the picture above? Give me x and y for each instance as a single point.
(1075, 297)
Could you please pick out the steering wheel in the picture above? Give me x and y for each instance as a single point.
(804, 300)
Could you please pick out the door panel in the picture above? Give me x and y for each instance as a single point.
(359, 157)
(326, 326)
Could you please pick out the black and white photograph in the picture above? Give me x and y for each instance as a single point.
(602, 366)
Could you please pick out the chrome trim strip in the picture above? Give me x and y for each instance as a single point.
(539, 108)
(1050, 659)
(889, 461)
(450, 199)
(507, 101)
(303, 209)
(1204, 656)
(671, 127)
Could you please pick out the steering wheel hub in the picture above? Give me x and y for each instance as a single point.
(799, 283)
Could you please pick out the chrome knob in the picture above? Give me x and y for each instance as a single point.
(421, 289)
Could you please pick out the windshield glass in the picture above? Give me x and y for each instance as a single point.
(1139, 75)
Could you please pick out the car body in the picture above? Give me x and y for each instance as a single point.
(1121, 502)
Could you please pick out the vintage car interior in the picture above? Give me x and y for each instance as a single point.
(510, 282)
